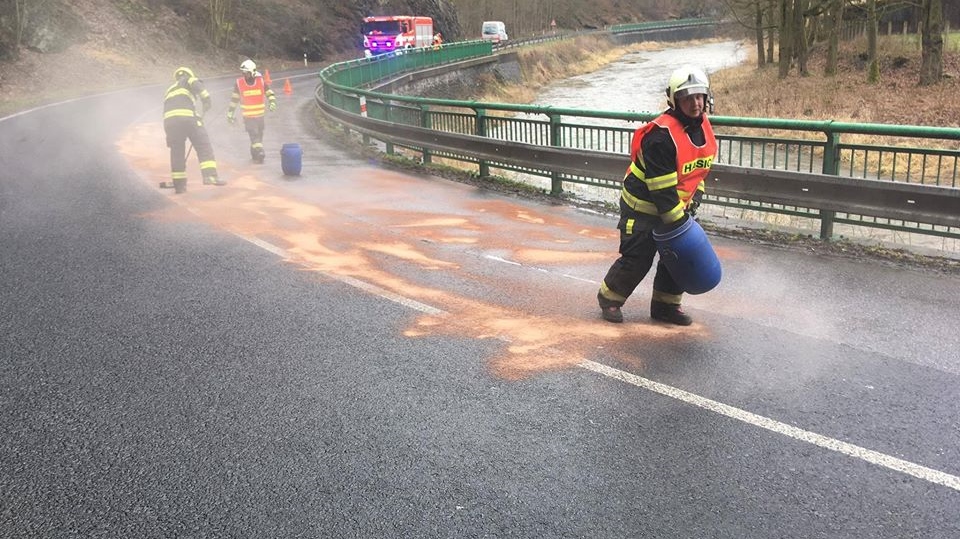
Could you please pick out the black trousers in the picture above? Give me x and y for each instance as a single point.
(179, 131)
(637, 251)
(254, 127)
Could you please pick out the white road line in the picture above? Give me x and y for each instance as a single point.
(356, 283)
(542, 270)
(873, 457)
(504, 260)
(386, 294)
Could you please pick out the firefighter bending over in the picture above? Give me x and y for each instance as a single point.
(182, 120)
(252, 93)
(670, 158)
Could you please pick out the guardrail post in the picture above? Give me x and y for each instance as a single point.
(387, 108)
(425, 122)
(556, 184)
(482, 132)
(831, 166)
(363, 112)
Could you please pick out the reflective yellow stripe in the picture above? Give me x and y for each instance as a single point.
(641, 206)
(610, 294)
(661, 182)
(663, 297)
(252, 110)
(178, 175)
(674, 214)
(628, 227)
(180, 90)
(177, 113)
(654, 184)
(207, 164)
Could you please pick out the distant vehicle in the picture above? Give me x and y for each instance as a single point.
(390, 33)
(494, 31)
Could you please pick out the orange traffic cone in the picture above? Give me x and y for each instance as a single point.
(266, 77)
(287, 89)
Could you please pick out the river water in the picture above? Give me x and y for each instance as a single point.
(637, 82)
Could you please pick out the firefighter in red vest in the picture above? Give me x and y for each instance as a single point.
(663, 187)
(183, 120)
(254, 96)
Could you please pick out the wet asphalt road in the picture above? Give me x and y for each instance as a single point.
(357, 352)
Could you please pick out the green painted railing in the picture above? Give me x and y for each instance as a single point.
(823, 147)
(660, 25)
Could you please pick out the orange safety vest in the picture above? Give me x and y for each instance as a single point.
(253, 103)
(693, 162)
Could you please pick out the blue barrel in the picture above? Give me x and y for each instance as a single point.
(290, 159)
(688, 255)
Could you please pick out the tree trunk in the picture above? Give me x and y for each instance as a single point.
(758, 20)
(220, 23)
(931, 65)
(786, 38)
(873, 72)
(835, 24)
(800, 51)
(771, 22)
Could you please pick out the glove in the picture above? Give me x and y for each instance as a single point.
(694, 204)
(230, 117)
(273, 106)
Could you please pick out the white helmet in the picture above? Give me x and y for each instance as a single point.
(248, 67)
(687, 80)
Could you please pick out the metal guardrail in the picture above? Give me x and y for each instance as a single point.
(929, 204)
(811, 174)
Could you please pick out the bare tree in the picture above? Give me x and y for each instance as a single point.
(801, 50)
(758, 20)
(772, 23)
(786, 37)
(220, 24)
(21, 13)
(873, 71)
(931, 65)
(834, 16)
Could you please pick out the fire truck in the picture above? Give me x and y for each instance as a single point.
(391, 33)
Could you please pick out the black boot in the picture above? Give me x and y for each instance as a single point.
(179, 186)
(609, 310)
(668, 312)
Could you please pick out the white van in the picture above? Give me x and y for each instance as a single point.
(494, 31)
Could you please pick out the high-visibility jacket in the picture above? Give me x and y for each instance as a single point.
(253, 96)
(693, 163)
(180, 99)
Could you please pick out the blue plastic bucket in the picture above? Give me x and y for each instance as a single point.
(290, 159)
(688, 255)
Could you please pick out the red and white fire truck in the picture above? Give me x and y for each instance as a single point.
(391, 33)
